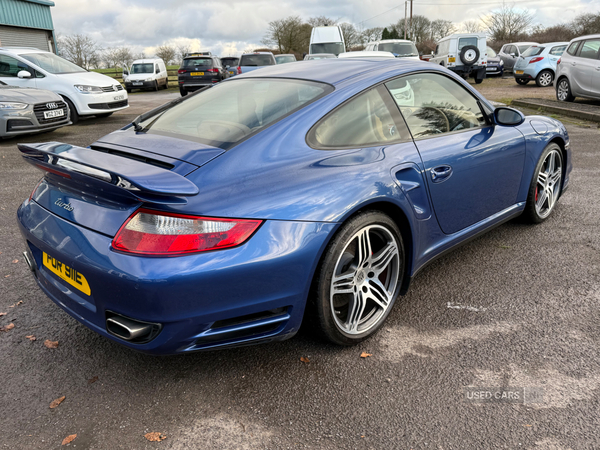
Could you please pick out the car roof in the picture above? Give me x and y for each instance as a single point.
(146, 60)
(385, 41)
(548, 44)
(335, 71)
(285, 54)
(588, 36)
(258, 53)
(366, 54)
(522, 43)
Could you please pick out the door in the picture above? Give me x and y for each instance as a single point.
(511, 57)
(473, 168)
(584, 66)
(10, 67)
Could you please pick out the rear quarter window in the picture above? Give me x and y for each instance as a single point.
(573, 48)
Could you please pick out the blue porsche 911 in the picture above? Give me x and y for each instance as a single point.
(300, 192)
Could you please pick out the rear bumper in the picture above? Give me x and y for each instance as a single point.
(252, 293)
(191, 86)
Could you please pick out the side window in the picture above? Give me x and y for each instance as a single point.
(10, 67)
(511, 49)
(590, 49)
(557, 51)
(435, 104)
(437, 48)
(364, 121)
(573, 48)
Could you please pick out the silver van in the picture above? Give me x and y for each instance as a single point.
(578, 70)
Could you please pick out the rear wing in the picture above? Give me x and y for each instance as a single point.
(108, 173)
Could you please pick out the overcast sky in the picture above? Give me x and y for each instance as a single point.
(230, 27)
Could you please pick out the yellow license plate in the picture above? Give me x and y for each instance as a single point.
(452, 59)
(519, 72)
(196, 74)
(67, 274)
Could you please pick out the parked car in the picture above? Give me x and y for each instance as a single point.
(319, 56)
(256, 60)
(199, 71)
(274, 199)
(283, 59)
(464, 54)
(538, 63)
(509, 53)
(327, 39)
(578, 70)
(400, 48)
(231, 64)
(149, 73)
(28, 110)
(86, 93)
(366, 54)
(495, 65)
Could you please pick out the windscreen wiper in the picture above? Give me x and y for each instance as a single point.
(142, 117)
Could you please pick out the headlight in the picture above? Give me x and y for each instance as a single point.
(501, 62)
(13, 105)
(148, 79)
(87, 89)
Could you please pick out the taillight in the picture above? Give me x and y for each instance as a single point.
(536, 59)
(239, 69)
(213, 70)
(151, 233)
(181, 71)
(35, 188)
(558, 62)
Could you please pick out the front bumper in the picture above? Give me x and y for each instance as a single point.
(19, 122)
(195, 298)
(494, 69)
(140, 84)
(88, 104)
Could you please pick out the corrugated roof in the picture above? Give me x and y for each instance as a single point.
(26, 13)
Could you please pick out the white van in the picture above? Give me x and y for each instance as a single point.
(86, 93)
(401, 48)
(327, 40)
(463, 53)
(146, 74)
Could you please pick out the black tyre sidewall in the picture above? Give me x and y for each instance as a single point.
(74, 115)
(530, 214)
(324, 274)
(521, 81)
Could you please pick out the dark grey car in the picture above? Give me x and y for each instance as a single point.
(199, 71)
(28, 110)
(509, 53)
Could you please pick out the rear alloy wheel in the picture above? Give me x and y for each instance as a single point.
(544, 78)
(359, 279)
(545, 186)
(563, 91)
(522, 81)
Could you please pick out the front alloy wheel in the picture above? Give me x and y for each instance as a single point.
(546, 186)
(360, 278)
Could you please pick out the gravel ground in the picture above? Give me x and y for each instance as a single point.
(517, 308)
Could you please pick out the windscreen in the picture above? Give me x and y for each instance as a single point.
(196, 62)
(229, 112)
(52, 63)
(399, 48)
(533, 51)
(142, 68)
(329, 47)
(285, 59)
(257, 60)
(491, 53)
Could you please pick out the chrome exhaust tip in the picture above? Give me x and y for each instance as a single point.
(29, 261)
(131, 330)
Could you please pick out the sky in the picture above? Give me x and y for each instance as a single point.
(228, 28)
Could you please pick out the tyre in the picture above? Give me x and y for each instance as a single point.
(563, 91)
(167, 83)
(102, 116)
(359, 278)
(544, 78)
(183, 92)
(128, 90)
(74, 115)
(546, 185)
(469, 55)
(156, 85)
(478, 80)
(522, 81)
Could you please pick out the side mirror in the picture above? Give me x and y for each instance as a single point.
(513, 55)
(125, 72)
(157, 70)
(24, 74)
(508, 116)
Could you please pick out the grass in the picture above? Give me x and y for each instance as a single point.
(118, 71)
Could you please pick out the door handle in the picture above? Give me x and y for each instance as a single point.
(440, 173)
(573, 63)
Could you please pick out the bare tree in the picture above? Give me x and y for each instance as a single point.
(370, 35)
(124, 56)
(586, 24)
(420, 30)
(508, 23)
(472, 26)
(80, 49)
(140, 55)
(110, 57)
(441, 28)
(321, 21)
(287, 35)
(182, 50)
(167, 53)
(351, 35)
(554, 33)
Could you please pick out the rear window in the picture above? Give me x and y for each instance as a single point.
(257, 60)
(285, 59)
(230, 112)
(491, 53)
(522, 48)
(230, 61)
(463, 42)
(533, 51)
(196, 62)
(399, 48)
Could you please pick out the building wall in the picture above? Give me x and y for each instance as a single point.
(27, 23)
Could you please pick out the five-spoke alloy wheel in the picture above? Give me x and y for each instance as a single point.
(359, 278)
(546, 185)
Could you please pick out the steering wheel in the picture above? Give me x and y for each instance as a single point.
(422, 122)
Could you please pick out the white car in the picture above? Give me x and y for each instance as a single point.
(86, 93)
(365, 54)
(464, 54)
(149, 73)
(401, 48)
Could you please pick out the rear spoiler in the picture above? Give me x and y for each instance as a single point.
(109, 173)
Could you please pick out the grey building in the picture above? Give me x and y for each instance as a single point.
(27, 23)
